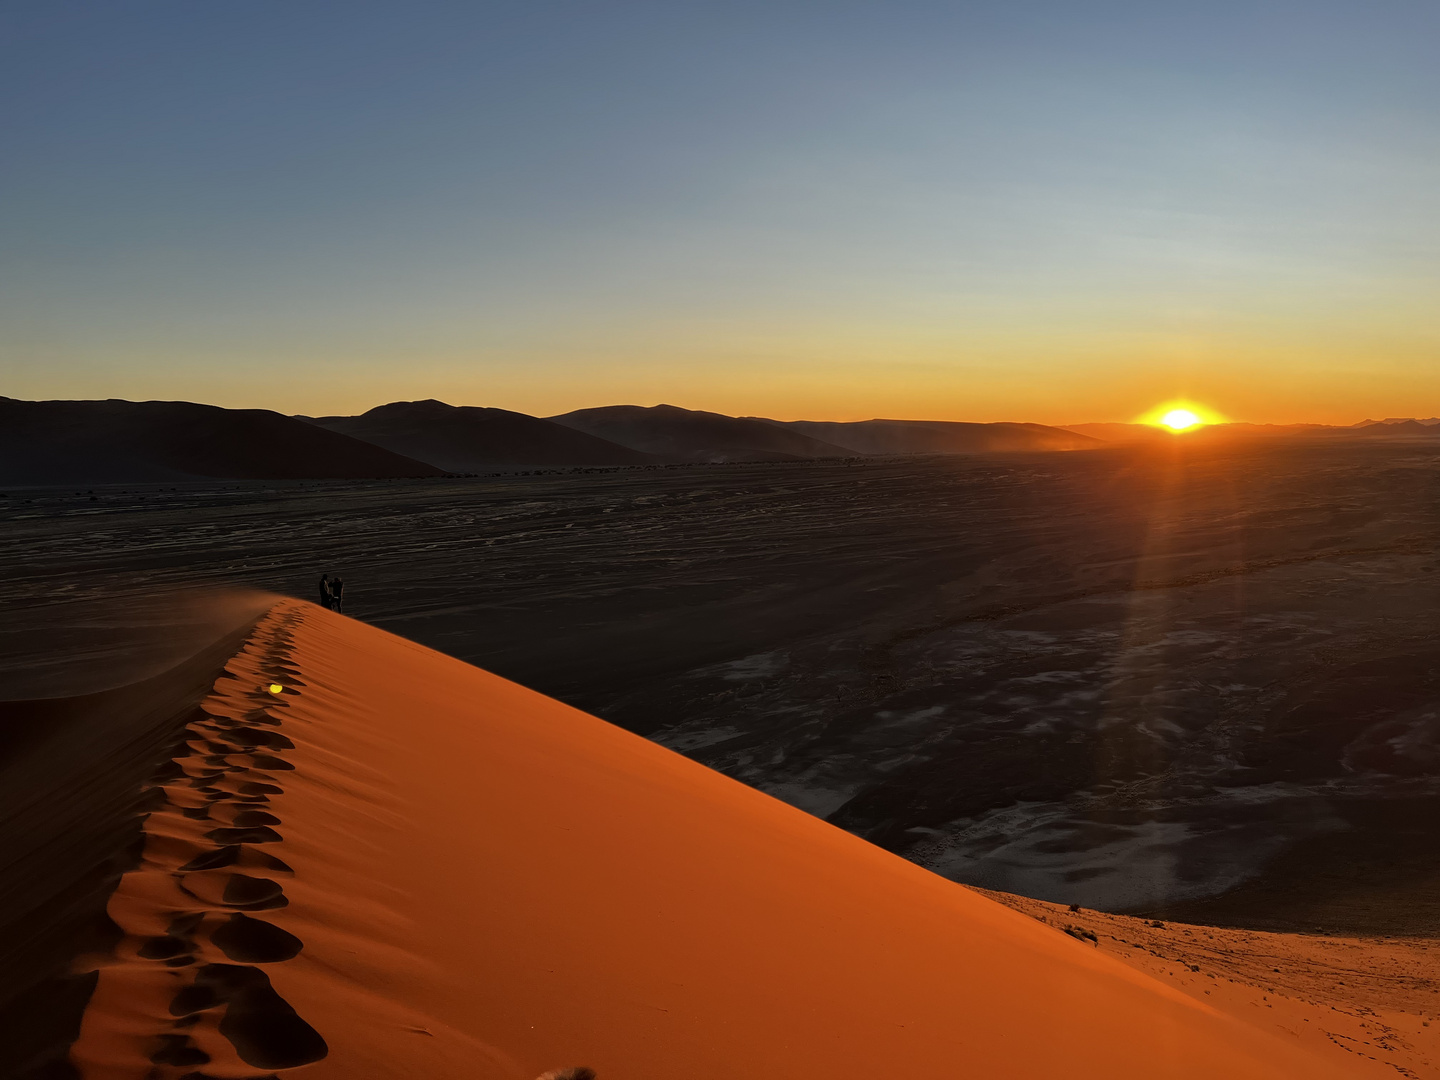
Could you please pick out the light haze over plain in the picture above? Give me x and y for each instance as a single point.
(1040, 211)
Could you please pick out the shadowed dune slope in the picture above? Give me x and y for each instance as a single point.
(882, 437)
(73, 773)
(686, 435)
(400, 865)
(98, 442)
(466, 439)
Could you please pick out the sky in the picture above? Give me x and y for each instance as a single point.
(1055, 211)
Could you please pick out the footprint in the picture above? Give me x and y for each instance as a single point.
(163, 948)
(242, 890)
(243, 815)
(234, 890)
(262, 834)
(251, 941)
(213, 860)
(265, 1031)
(178, 1050)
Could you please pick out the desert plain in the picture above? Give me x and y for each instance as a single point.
(1186, 683)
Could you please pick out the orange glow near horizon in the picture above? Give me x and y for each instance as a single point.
(1180, 416)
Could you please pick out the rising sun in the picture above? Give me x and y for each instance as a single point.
(1180, 416)
(1180, 420)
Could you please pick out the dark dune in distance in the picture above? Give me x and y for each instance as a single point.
(99, 442)
(899, 437)
(465, 439)
(695, 436)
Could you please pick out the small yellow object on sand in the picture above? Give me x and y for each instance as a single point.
(275, 688)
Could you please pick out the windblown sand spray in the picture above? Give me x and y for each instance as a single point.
(188, 983)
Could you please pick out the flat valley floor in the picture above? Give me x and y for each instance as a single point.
(1189, 682)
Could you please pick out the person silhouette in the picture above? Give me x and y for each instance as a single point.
(326, 596)
(337, 593)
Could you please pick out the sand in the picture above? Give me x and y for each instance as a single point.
(1373, 1001)
(76, 775)
(371, 860)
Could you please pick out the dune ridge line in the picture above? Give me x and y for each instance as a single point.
(193, 913)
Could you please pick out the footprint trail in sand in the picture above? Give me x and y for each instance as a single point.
(196, 938)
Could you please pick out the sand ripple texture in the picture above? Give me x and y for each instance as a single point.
(402, 866)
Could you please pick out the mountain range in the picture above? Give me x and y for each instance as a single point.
(115, 441)
(465, 439)
(99, 442)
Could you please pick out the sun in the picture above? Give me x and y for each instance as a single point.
(1180, 420)
(1179, 417)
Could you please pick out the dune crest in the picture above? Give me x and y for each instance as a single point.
(400, 865)
(185, 987)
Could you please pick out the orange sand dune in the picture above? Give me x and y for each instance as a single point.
(402, 866)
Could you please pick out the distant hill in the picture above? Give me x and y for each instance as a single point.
(686, 435)
(468, 439)
(1118, 433)
(97, 442)
(888, 437)
(1396, 429)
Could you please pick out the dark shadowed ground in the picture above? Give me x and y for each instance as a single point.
(1197, 680)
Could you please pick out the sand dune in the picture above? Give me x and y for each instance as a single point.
(691, 435)
(887, 437)
(75, 776)
(464, 439)
(95, 442)
(369, 860)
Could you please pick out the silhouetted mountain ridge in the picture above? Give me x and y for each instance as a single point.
(471, 439)
(678, 434)
(115, 441)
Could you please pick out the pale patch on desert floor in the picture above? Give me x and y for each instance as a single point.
(1372, 1000)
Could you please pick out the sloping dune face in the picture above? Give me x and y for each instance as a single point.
(371, 860)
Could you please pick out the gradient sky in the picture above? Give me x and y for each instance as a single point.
(1054, 211)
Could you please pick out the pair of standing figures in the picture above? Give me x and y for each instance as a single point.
(332, 593)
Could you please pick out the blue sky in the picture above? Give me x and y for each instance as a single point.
(1038, 211)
